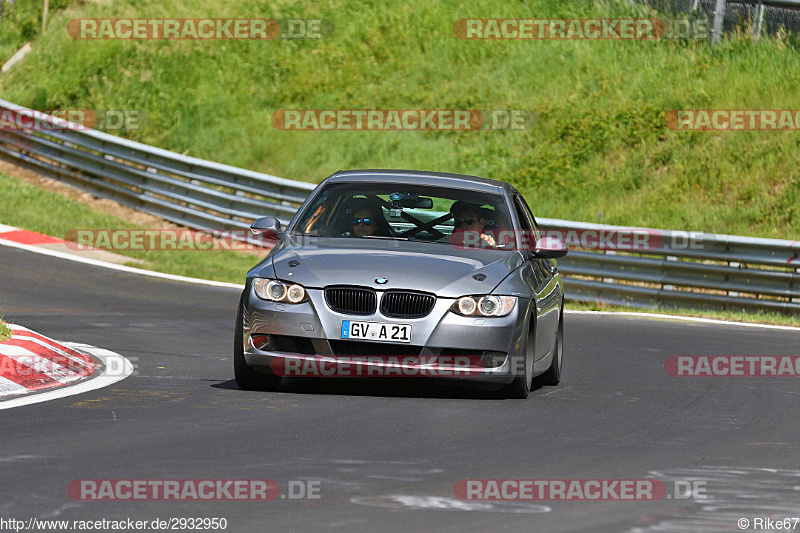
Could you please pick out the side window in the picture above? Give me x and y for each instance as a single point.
(522, 215)
(528, 237)
(530, 215)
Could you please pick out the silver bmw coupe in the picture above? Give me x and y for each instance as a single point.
(405, 273)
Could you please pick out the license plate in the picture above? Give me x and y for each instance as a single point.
(376, 331)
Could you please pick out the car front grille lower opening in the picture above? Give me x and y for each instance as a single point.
(282, 343)
(406, 304)
(477, 358)
(359, 348)
(351, 300)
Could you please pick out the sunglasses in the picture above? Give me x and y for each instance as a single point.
(366, 221)
(458, 222)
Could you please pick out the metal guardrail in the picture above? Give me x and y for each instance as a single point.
(189, 191)
(682, 270)
(765, 16)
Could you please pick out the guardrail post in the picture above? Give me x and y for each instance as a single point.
(733, 264)
(609, 280)
(759, 20)
(719, 20)
(665, 272)
(44, 15)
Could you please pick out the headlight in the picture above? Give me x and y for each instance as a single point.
(295, 294)
(278, 291)
(466, 306)
(484, 305)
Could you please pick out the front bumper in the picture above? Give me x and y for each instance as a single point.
(310, 335)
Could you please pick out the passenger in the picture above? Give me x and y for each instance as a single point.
(469, 219)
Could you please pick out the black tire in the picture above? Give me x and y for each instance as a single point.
(517, 389)
(553, 375)
(520, 388)
(246, 377)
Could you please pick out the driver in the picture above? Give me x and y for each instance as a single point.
(469, 218)
(366, 219)
(363, 223)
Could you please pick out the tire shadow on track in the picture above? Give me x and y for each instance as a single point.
(380, 387)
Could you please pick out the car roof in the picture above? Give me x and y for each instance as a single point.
(422, 177)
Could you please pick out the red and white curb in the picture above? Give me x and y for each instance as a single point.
(35, 368)
(39, 242)
(54, 247)
(24, 236)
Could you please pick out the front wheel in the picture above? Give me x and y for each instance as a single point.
(520, 388)
(246, 377)
(553, 374)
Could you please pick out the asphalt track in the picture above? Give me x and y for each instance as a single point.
(387, 453)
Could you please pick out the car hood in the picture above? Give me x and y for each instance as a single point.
(437, 268)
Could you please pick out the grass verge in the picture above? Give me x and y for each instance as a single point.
(21, 21)
(30, 207)
(599, 146)
(5, 331)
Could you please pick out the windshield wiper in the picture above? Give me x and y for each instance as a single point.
(386, 238)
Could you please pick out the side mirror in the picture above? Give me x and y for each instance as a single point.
(550, 248)
(268, 227)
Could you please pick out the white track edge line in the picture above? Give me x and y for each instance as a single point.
(684, 318)
(113, 266)
(116, 368)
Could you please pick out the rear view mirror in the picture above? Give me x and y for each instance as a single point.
(420, 202)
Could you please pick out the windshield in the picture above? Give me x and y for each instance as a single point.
(406, 212)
